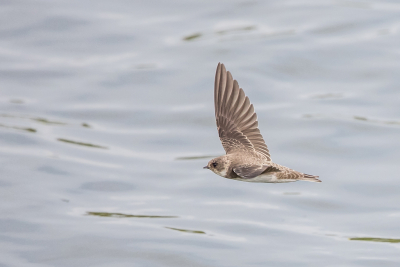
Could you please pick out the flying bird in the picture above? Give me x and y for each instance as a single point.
(247, 156)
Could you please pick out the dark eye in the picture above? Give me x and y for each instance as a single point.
(214, 164)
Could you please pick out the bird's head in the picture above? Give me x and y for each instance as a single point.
(219, 166)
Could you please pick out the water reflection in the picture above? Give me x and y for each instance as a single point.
(353, 118)
(27, 129)
(46, 121)
(192, 37)
(36, 119)
(186, 231)
(388, 122)
(237, 29)
(375, 239)
(80, 143)
(41, 120)
(123, 215)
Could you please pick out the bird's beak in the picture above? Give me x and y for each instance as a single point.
(205, 167)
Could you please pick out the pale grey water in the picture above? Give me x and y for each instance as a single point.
(134, 79)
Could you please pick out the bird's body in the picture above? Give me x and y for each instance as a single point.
(247, 156)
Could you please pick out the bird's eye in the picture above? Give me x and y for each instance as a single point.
(214, 164)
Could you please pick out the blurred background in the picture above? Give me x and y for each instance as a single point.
(106, 120)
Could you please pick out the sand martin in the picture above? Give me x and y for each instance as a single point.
(247, 156)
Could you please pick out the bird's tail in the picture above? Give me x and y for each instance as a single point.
(310, 178)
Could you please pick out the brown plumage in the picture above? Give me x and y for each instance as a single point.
(247, 156)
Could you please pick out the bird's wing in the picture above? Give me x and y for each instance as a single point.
(236, 120)
(249, 171)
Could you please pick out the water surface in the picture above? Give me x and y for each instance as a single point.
(106, 120)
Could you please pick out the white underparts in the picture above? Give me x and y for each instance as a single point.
(223, 173)
(265, 178)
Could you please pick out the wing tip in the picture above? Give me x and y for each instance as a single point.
(311, 178)
(223, 67)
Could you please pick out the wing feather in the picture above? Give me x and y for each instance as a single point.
(236, 120)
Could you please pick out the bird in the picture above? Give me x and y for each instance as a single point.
(247, 156)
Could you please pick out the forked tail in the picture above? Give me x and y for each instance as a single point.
(310, 178)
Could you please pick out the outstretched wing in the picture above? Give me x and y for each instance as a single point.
(236, 120)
